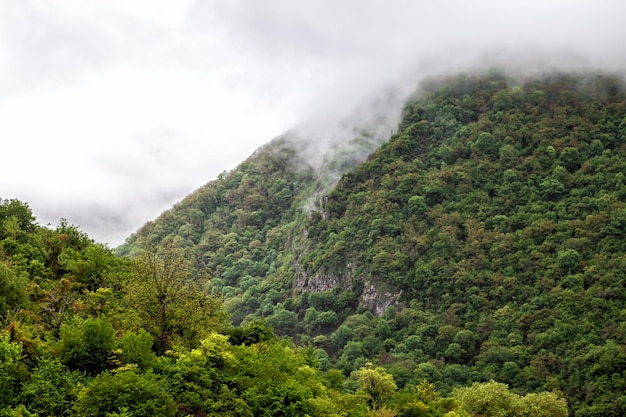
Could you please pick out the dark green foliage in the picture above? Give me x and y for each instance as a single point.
(51, 390)
(87, 346)
(254, 332)
(12, 289)
(236, 227)
(508, 244)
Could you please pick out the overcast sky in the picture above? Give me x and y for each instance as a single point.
(113, 110)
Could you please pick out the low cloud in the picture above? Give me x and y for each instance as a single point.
(114, 110)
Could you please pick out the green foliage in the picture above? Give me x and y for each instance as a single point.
(497, 210)
(10, 355)
(166, 302)
(254, 332)
(17, 411)
(51, 390)
(279, 379)
(12, 290)
(376, 384)
(87, 346)
(92, 267)
(136, 348)
(493, 399)
(285, 321)
(16, 219)
(143, 395)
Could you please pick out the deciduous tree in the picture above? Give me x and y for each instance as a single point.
(166, 302)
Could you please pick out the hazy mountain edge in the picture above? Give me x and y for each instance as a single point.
(324, 147)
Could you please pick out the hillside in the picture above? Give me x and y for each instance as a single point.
(86, 333)
(483, 241)
(498, 212)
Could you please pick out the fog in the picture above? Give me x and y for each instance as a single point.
(112, 110)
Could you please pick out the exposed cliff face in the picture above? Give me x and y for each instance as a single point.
(373, 297)
(320, 282)
(377, 300)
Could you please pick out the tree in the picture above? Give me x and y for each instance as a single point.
(454, 352)
(341, 336)
(255, 332)
(166, 302)
(493, 399)
(568, 260)
(468, 341)
(56, 306)
(376, 384)
(87, 347)
(277, 379)
(92, 266)
(15, 216)
(283, 321)
(486, 144)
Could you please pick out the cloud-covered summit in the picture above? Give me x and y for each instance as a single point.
(114, 110)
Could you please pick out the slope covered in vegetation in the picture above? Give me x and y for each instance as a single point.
(84, 333)
(498, 211)
(483, 241)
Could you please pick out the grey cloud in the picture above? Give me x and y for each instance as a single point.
(351, 48)
(361, 30)
(365, 47)
(108, 222)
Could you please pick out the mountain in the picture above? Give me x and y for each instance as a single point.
(482, 240)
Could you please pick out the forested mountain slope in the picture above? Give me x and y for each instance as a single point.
(484, 240)
(85, 333)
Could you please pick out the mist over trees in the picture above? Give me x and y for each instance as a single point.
(472, 265)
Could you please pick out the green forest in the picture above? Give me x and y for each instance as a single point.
(473, 265)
